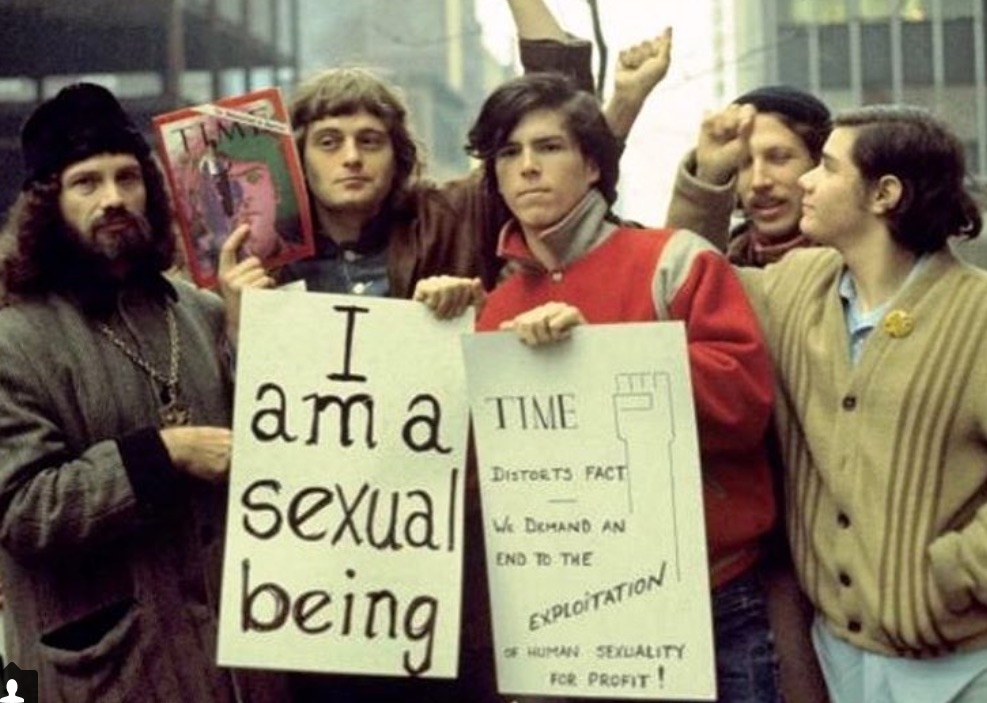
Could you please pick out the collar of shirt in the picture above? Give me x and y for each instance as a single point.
(373, 239)
(748, 247)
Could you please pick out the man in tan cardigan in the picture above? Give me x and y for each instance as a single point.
(877, 339)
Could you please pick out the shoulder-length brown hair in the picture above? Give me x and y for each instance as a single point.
(346, 91)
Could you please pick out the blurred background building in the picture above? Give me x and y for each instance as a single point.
(155, 54)
(432, 49)
(857, 52)
(448, 54)
(158, 55)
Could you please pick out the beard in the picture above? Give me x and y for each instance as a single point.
(120, 250)
(118, 235)
(117, 244)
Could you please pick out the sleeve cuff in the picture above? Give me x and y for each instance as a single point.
(572, 58)
(153, 477)
(688, 173)
(711, 196)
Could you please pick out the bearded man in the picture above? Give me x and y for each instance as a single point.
(114, 425)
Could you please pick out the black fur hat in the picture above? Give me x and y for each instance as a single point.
(795, 104)
(82, 120)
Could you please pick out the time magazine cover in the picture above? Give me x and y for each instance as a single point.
(234, 161)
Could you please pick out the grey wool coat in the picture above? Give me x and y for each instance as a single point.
(110, 557)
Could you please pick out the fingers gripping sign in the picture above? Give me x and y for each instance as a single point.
(449, 296)
(548, 323)
(236, 276)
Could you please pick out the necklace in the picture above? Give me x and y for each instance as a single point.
(172, 411)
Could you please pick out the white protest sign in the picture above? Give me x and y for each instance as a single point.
(344, 533)
(593, 513)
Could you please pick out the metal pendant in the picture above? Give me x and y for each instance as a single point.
(175, 413)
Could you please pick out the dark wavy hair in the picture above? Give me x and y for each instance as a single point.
(345, 91)
(513, 100)
(39, 255)
(938, 198)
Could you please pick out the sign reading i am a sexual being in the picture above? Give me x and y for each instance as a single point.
(344, 532)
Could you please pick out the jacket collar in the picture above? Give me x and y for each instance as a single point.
(568, 240)
(748, 247)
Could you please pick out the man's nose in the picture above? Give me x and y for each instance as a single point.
(760, 174)
(111, 195)
(529, 161)
(351, 152)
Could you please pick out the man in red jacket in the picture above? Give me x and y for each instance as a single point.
(550, 158)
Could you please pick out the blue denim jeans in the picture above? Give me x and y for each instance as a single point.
(746, 665)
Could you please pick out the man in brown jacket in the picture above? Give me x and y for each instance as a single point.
(114, 417)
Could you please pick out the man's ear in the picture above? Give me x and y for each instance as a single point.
(594, 169)
(886, 194)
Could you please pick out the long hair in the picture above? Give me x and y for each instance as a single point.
(513, 100)
(937, 199)
(346, 91)
(501, 113)
(38, 255)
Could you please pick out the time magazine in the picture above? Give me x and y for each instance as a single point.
(230, 162)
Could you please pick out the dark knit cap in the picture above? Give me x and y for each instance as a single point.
(81, 121)
(793, 103)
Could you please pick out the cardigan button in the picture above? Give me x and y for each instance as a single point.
(843, 520)
(845, 579)
(854, 626)
(849, 402)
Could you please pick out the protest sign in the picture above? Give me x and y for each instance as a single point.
(344, 532)
(593, 513)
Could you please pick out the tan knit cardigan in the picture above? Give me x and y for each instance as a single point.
(887, 459)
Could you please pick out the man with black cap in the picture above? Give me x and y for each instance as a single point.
(114, 417)
(752, 153)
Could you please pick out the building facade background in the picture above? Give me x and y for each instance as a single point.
(858, 52)
(929, 53)
(158, 55)
(432, 49)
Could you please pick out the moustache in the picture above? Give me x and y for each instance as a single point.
(121, 219)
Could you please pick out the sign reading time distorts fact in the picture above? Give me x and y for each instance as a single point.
(344, 532)
(593, 515)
